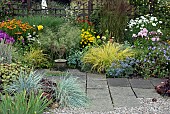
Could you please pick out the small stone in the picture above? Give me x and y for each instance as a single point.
(154, 100)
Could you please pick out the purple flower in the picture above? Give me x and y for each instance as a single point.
(4, 36)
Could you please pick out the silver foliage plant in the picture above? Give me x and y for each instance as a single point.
(28, 82)
(70, 94)
(5, 53)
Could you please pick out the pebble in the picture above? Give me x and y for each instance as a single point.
(160, 106)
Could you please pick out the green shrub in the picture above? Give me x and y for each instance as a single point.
(5, 53)
(155, 61)
(74, 58)
(102, 57)
(69, 36)
(69, 93)
(36, 58)
(28, 82)
(55, 44)
(11, 72)
(20, 103)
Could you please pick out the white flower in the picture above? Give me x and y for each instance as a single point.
(134, 36)
(159, 31)
(160, 22)
(104, 37)
(152, 18)
(142, 25)
(153, 24)
(140, 21)
(34, 33)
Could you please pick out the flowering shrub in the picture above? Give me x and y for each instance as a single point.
(147, 27)
(5, 37)
(88, 38)
(124, 68)
(21, 32)
(154, 61)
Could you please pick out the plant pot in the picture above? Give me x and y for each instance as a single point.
(60, 64)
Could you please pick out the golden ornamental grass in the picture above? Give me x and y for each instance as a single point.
(102, 57)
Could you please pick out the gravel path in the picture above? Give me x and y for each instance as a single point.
(161, 106)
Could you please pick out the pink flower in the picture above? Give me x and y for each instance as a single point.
(145, 30)
(155, 39)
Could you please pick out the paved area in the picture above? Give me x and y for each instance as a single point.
(108, 93)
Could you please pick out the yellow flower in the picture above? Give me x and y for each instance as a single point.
(98, 36)
(168, 41)
(82, 30)
(40, 27)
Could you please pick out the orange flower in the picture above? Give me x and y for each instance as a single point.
(18, 33)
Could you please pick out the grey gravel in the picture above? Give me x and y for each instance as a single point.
(161, 106)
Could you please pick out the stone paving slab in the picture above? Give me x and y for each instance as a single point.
(98, 93)
(146, 93)
(97, 84)
(123, 97)
(103, 104)
(118, 82)
(156, 81)
(141, 83)
(91, 76)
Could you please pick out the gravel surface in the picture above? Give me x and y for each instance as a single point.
(159, 106)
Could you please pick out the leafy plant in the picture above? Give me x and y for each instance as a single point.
(28, 82)
(47, 21)
(20, 103)
(154, 62)
(11, 72)
(69, 93)
(69, 36)
(74, 58)
(5, 53)
(36, 58)
(102, 57)
(124, 68)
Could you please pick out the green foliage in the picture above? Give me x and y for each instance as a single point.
(69, 36)
(70, 94)
(159, 8)
(11, 72)
(20, 103)
(5, 10)
(5, 53)
(154, 61)
(124, 68)
(28, 82)
(74, 58)
(102, 57)
(113, 17)
(48, 40)
(46, 21)
(36, 58)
